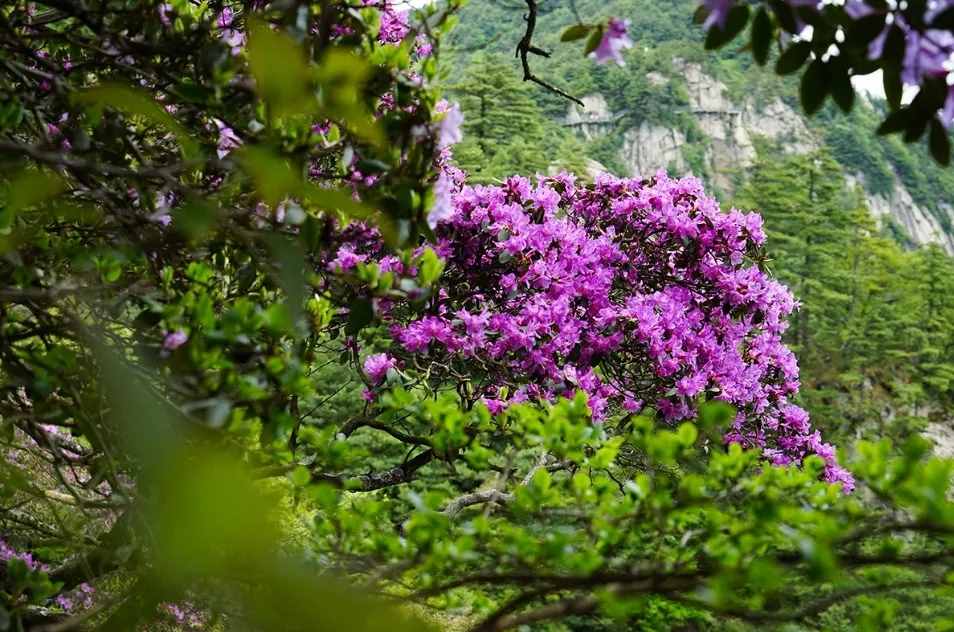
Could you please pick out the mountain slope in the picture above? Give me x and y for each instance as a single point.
(678, 107)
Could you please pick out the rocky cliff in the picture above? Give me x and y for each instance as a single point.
(730, 130)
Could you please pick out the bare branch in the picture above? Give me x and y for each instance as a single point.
(525, 47)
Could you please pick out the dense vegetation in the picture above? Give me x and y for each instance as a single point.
(662, 33)
(270, 359)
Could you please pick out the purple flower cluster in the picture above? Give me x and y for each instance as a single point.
(376, 367)
(229, 32)
(641, 293)
(8, 553)
(614, 42)
(79, 599)
(174, 339)
(394, 25)
(186, 615)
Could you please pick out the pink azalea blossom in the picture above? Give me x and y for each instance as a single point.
(376, 367)
(228, 140)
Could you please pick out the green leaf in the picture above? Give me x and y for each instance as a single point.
(340, 200)
(895, 122)
(595, 37)
(860, 32)
(300, 476)
(282, 76)
(341, 76)
(762, 32)
(17, 571)
(893, 86)
(135, 102)
(785, 15)
(11, 114)
(940, 143)
(431, 267)
(734, 24)
(28, 188)
(793, 57)
(289, 258)
(273, 176)
(575, 32)
(815, 87)
(842, 92)
(700, 15)
(715, 414)
(687, 434)
(360, 315)
(195, 219)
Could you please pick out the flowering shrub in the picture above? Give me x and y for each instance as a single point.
(637, 292)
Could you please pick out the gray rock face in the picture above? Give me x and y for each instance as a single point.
(730, 130)
(593, 119)
(942, 435)
(649, 148)
(919, 224)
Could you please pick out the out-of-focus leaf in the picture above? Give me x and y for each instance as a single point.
(700, 15)
(290, 259)
(734, 24)
(281, 72)
(137, 103)
(842, 92)
(815, 87)
(940, 143)
(28, 188)
(335, 200)
(210, 521)
(575, 32)
(273, 176)
(340, 76)
(895, 122)
(785, 15)
(360, 314)
(715, 414)
(793, 57)
(195, 219)
(762, 31)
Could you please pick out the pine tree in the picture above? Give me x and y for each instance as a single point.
(862, 344)
(503, 126)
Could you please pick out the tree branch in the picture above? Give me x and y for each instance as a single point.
(525, 47)
(377, 480)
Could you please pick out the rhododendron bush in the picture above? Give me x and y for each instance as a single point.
(269, 362)
(637, 292)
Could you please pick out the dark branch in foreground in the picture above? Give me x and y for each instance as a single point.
(397, 475)
(525, 47)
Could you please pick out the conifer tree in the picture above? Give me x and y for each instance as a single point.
(503, 126)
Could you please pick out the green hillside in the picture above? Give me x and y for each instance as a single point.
(662, 32)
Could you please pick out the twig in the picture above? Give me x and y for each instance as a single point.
(525, 47)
